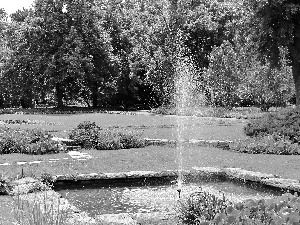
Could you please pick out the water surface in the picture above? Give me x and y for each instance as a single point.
(161, 198)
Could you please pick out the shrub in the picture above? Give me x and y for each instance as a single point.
(270, 144)
(34, 141)
(285, 124)
(89, 135)
(220, 112)
(201, 207)
(284, 209)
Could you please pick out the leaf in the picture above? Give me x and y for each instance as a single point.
(204, 223)
(293, 219)
(231, 219)
(229, 209)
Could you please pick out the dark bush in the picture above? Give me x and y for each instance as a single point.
(87, 125)
(89, 135)
(285, 124)
(34, 141)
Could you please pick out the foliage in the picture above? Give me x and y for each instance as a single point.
(273, 133)
(222, 77)
(67, 110)
(263, 85)
(89, 135)
(201, 206)
(105, 53)
(205, 111)
(46, 211)
(280, 210)
(284, 123)
(59, 46)
(277, 25)
(236, 76)
(270, 144)
(33, 142)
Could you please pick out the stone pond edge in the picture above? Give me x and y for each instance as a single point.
(213, 172)
(26, 186)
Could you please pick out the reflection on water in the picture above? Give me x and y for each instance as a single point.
(152, 198)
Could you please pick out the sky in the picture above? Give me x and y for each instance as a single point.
(12, 6)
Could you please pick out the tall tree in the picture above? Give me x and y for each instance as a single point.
(60, 46)
(277, 24)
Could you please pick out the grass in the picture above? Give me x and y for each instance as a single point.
(152, 126)
(161, 158)
(16, 157)
(205, 111)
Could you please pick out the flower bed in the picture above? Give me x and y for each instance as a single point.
(35, 141)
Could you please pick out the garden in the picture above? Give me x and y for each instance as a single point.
(150, 112)
(119, 142)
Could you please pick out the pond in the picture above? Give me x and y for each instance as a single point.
(136, 197)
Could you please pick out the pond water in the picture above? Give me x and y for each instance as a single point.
(155, 198)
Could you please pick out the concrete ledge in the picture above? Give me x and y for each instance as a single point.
(286, 184)
(107, 176)
(245, 175)
(210, 171)
(26, 185)
(77, 217)
(196, 173)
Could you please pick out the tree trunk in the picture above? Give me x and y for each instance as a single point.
(27, 99)
(95, 95)
(295, 55)
(59, 95)
(296, 76)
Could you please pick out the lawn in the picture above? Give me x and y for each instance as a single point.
(150, 126)
(157, 159)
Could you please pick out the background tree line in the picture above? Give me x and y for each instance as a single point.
(114, 52)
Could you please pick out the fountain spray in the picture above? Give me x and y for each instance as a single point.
(184, 97)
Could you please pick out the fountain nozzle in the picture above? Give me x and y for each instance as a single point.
(179, 191)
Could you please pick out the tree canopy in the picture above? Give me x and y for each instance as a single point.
(276, 25)
(107, 52)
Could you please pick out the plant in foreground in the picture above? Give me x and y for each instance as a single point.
(42, 210)
(205, 209)
(200, 207)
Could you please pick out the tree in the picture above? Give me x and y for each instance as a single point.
(18, 80)
(277, 24)
(222, 77)
(59, 45)
(4, 52)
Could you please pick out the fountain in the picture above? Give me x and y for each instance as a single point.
(109, 195)
(184, 97)
(125, 196)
